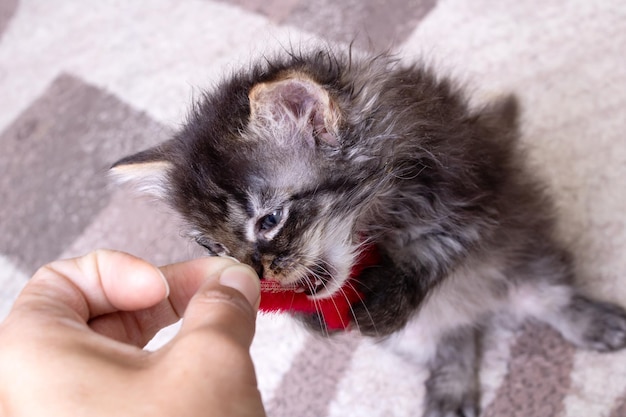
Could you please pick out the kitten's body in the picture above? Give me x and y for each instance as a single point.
(294, 164)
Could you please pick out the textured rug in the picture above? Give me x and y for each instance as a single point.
(84, 83)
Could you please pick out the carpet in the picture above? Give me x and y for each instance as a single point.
(84, 83)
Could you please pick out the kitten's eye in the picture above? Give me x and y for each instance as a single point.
(270, 221)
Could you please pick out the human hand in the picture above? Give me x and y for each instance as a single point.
(72, 343)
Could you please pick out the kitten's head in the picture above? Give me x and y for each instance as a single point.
(260, 174)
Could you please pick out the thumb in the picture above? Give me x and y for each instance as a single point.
(210, 356)
(225, 305)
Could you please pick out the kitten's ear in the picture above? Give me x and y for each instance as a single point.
(299, 102)
(147, 171)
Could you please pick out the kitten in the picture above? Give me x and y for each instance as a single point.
(296, 163)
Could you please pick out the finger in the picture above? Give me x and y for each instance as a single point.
(186, 278)
(217, 331)
(138, 327)
(224, 306)
(98, 283)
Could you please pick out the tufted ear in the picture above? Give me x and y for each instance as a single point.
(147, 171)
(296, 103)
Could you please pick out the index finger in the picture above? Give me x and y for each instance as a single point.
(139, 327)
(107, 286)
(88, 286)
(185, 278)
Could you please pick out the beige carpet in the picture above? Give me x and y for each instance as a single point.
(83, 83)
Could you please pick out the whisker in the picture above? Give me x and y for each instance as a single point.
(343, 292)
(356, 321)
(335, 304)
(316, 304)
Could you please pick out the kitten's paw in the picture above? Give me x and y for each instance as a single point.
(372, 319)
(606, 328)
(452, 387)
(451, 405)
(363, 320)
(592, 324)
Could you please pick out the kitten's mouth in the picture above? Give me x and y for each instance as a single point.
(322, 294)
(316, 282)
(311, 285)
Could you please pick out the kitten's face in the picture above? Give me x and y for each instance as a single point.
(269, 187)
(281, 218)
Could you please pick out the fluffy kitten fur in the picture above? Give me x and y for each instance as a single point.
(291, 165)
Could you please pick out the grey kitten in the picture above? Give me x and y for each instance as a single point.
(294, 164)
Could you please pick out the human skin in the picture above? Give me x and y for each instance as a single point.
(72, 343)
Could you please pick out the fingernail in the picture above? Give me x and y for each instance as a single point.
(231, 258)
(167, 284)
(243, 279)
